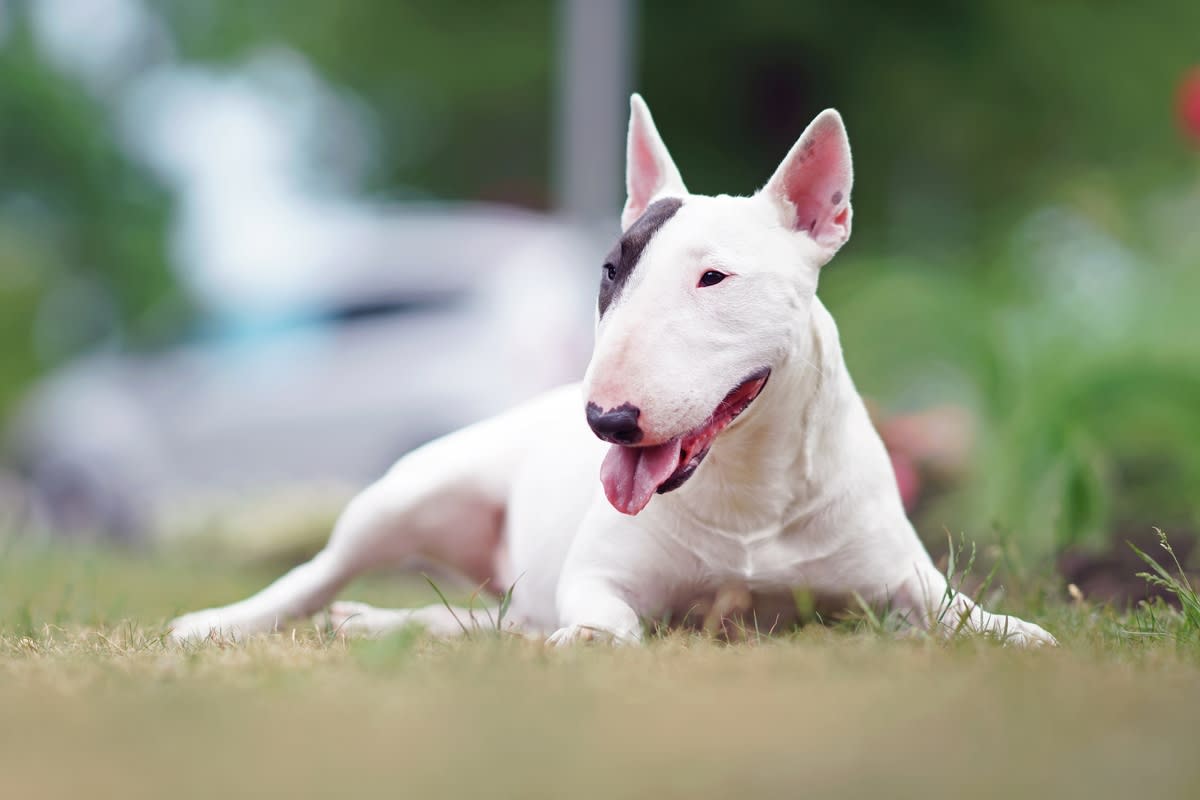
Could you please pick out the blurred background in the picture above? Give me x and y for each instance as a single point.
(251, 252)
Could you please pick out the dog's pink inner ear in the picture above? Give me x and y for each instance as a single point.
(649, 170)
(814, 183)
(645, 174)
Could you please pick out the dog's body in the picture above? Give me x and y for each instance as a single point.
(707, 310)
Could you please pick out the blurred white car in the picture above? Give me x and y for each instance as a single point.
(437, 319)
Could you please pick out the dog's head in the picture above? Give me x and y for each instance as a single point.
(701, 298)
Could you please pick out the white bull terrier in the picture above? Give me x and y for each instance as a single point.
(735, 448)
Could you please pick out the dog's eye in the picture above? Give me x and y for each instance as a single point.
(712, 278)
(610, 272)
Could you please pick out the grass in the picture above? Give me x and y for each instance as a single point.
(94, 703)
(1175, 583)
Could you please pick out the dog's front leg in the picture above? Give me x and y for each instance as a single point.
(933, 604)
(591, 608)
(617, 573)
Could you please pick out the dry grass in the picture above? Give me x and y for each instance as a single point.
(94, 704)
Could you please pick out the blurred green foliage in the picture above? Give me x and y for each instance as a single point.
(967, 119)
(460, 91)
(73, 211)
(1087, 419)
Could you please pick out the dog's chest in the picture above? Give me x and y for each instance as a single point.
(772, 557)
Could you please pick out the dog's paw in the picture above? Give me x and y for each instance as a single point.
(356, 619)
(1019, 633)
(343, 614)
(577, 634)
(200, 626)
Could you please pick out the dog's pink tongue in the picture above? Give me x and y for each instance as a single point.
(631, 474)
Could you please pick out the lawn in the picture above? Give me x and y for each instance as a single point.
(1083, 437)
(95, 704)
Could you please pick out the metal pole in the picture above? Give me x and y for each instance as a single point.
(595, 75)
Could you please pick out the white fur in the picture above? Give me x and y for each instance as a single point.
(797, 493)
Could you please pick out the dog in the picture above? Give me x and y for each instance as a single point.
(716, 439)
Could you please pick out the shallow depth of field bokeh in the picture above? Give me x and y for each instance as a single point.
(251, 252)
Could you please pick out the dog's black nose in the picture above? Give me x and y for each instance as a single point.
(617, 425)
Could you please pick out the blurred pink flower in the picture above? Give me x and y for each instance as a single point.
(1188, 105)
(934, 443)
(908, 479)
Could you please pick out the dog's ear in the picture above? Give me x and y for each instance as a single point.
(649, 170)
(812, 185)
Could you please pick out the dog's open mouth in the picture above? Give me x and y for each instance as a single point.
(632, 475)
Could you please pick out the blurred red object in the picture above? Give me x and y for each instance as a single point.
(907, 478)
(929, 446)
(1188, 105)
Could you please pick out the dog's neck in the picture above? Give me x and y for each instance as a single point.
(776, 461)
